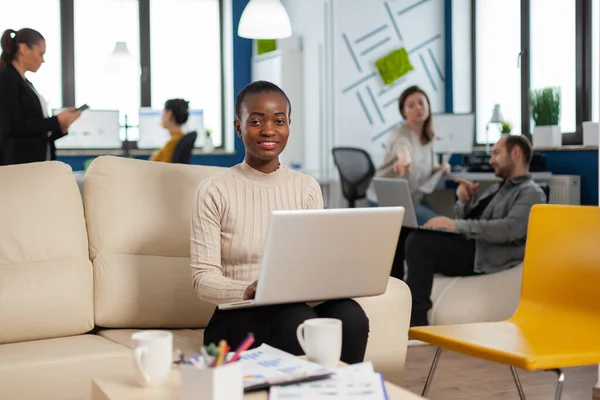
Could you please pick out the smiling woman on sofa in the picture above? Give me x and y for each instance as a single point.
(226, 251)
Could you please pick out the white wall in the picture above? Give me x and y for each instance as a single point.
(341, 42)
(308, 22)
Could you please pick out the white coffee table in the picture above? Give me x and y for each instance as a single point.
(126, 388)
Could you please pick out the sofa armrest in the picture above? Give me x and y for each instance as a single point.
(389, 320)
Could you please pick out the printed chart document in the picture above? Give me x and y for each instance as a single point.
(431, 183)
(357, 381)
(265, 366)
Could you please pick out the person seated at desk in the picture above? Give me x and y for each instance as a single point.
(229, 222)
(409, 150)
(174, 115)
(492, 227)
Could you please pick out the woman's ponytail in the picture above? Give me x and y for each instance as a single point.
(9, 48)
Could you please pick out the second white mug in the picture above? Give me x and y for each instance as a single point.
(152, 356)
(321, 340)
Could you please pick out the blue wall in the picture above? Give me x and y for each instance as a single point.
(577, 162)
(242, 59)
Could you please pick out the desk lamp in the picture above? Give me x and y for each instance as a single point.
(497, 118)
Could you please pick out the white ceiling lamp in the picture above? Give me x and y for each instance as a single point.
(265, 19)
(120, 60)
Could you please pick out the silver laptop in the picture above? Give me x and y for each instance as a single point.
(313, 255)
(393, 192)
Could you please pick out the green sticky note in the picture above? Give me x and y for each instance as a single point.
(265, 46)
(394, 66)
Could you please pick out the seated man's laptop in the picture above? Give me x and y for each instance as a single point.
(393, 192)
(314, 255)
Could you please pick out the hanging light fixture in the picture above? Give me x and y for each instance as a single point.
(120, 60)
(265, 19)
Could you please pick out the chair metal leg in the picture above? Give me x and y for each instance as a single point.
(436, 358)
(559, 384)
(517, 382)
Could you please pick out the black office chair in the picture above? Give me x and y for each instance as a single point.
(546, 188)
(356, 171)
(183, 150)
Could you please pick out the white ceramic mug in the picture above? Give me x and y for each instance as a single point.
(152, 356)
(321, 340)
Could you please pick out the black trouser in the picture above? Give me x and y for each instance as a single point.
(430, 252)
(277, 325)
(398, 263)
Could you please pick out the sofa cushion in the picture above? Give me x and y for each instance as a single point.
(481, 298)
(59, 368)
(389, 320)
(138, 218)
(187, 340)
(45, 271)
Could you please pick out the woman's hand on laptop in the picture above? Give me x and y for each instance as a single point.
(250, 291)
(444, 223)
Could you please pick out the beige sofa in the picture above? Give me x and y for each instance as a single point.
(77, 278)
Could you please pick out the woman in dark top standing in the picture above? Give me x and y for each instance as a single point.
(27, 133)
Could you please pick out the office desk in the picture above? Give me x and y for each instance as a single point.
(490, 177)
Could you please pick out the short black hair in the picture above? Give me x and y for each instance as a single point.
(180, 110)
(523, 143)
(257, 87)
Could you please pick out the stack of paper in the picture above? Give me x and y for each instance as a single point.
(357, 381)
(431, 184)
(265, 366)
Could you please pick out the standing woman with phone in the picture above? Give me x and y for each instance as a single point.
(27, 133)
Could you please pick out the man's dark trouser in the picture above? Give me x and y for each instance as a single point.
(431, 252)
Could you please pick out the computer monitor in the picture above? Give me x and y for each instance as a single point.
(154, 136)
(94, 129)
(196, 123)
(454, 133)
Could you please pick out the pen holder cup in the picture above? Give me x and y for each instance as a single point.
(221, 383)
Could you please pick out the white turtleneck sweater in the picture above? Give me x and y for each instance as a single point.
(229, 225)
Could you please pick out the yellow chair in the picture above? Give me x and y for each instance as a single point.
(557, 322)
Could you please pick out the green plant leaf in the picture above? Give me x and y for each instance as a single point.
(505, 127)
(87, 163)
(545, 106)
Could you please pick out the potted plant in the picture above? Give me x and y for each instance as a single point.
(545, 110)
(505, 128)
(208, 143)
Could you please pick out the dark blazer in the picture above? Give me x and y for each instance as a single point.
(23, 128)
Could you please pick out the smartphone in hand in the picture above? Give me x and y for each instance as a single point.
(83, 108)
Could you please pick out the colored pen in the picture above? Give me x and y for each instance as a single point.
(221, 353)
(245, 345)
